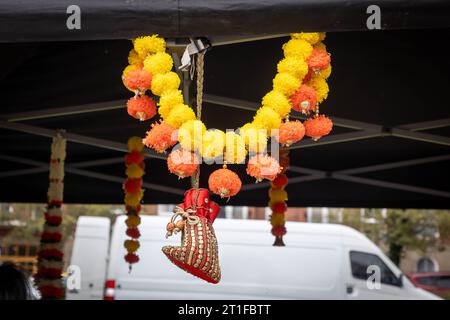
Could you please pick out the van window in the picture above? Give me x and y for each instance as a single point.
(360, 261)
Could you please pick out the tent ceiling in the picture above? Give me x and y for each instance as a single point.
(220, 20)
(388, 98)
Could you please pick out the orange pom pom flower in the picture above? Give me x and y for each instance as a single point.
(182, 163)
(304, 100)
(160, 137)
(290, 132)
(141, 107)
(318, 60)
(224, 182)
(263, 167)
(318, 127)
(138, 80)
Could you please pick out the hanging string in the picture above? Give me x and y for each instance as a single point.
(195, 180)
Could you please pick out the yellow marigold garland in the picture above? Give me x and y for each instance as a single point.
(134, 193)
(277, 200)
(293, 71)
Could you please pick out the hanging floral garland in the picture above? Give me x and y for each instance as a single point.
(277, 200)
(50, 255)
(135, 166)
(300, 84)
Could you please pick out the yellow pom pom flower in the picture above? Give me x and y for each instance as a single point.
(320, 46)
(134, 199)
(235, 151)
(277, 219)
(213, 144)
(135, 144)
(278, 102)
(311, 37)
(298, 48)
(190, 134)
(133, 58)
(157, 63)
(134, 171)
(168, 100)
(267, 118)
(325, 73)
(149, 45)
(164, 82)
(322, 36)
(179, 115)
(278, 195)
(321, 87)
(294, 66)
(255, 139)
(133, 221)
(286, 83)
(131, 245)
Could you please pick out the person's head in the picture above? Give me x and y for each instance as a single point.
(14, 285)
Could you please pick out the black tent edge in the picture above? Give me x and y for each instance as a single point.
(30, 20)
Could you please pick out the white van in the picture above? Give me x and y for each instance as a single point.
(319, 261)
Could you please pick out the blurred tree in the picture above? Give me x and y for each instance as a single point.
(412, 229)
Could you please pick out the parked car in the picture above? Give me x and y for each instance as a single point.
(319, 261)
(435, 282)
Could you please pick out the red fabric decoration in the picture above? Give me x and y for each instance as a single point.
(134, 157)
(318, 127)
(182, 163)
(279, 231)
(141, 107)
(263, 167)
(160, 137)
(131, 258)
(318, 60)
(290, 132)
(224, 182)
(132, 185)
(140, 80)
(280, 181)
(133, 233)
(304, 100)
(200, 258)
